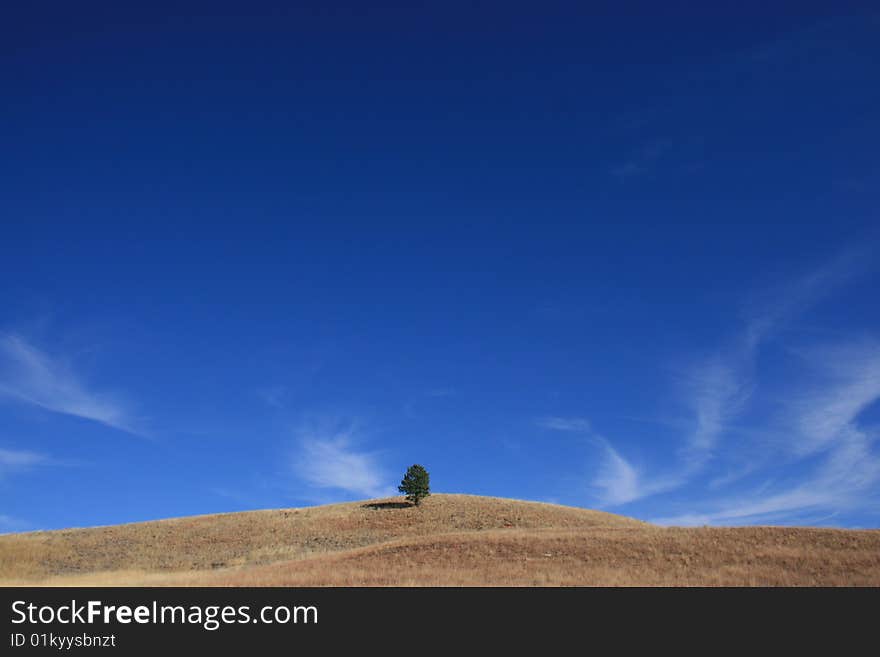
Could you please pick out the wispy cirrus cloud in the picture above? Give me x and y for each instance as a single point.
(30, 376)
(328, 458)
(573, 424)
(839, 484)
(850, 383)
(13, 459)
(717, 389)
(617, 479)
(621, 482)
(838, 459)
(771, 309)
(829, 461)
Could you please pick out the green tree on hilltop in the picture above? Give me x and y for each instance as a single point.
(415, 484)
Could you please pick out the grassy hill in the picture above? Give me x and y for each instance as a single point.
(455, 540)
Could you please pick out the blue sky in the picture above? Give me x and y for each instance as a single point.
(620, 260)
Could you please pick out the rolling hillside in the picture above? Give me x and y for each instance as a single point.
(457, 540)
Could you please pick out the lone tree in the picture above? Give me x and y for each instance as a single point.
(415, 484)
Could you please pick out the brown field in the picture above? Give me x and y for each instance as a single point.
(451, 540)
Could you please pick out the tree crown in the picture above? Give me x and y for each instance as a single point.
(415, 484)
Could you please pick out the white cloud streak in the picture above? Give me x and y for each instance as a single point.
(618, 480)
(30, 376)
(826, 413)
(11, 459)
(777, 305)
(574, 425)
(822, 421)
(718, 389)
(330, 460)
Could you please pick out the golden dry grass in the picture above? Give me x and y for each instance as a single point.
(457, 540)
